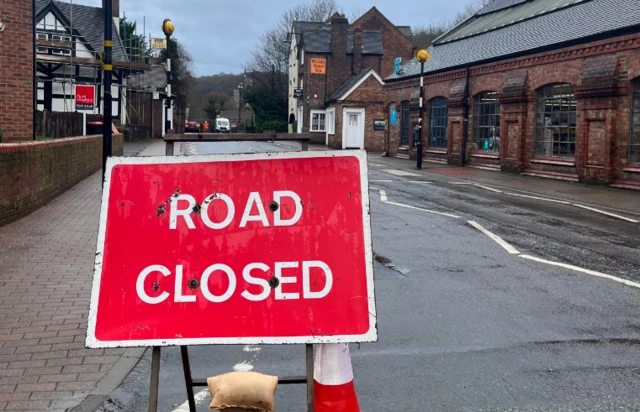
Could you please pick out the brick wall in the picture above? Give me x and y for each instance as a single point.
(16, 70)
(33, 173)
(601, 74)
(394, 43)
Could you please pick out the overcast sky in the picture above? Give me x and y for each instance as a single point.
(221, 34)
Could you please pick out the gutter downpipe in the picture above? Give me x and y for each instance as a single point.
(465, 134)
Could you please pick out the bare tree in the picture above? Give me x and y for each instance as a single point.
(425, 34)
(272, 53)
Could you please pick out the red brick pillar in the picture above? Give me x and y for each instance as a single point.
(16, 70)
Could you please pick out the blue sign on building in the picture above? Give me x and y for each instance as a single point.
(397, 64)
(394, 117)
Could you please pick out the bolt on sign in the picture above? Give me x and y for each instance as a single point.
(85, 97)
(318, 66)
(234, 249)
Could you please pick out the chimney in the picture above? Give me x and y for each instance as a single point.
(357, 51)
(339, 68)
(115, 7)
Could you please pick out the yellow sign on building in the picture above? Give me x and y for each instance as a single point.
(158, 44)
(318, 66)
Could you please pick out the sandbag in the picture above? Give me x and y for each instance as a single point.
(243, 391)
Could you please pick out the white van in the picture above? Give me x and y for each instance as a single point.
(222, 125)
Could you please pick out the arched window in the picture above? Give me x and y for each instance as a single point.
(486, 130)
(634, 137)
(405, 125)
(556, 121)
(438, 122)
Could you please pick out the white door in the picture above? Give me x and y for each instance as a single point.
(353, 129)
(299, 119)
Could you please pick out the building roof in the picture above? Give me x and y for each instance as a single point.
(481, 39)
(371, 42)
(496, 5)
(353, 83)
(151, 80)
(300, 26)
(319, 41)
(89, 23)
(406, 30)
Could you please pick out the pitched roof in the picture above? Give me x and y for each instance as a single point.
(496, 5)
(343, 91)
(406, 30)
(371, 42)
(89, 23)
(319, 41)
(554, 28)
(300, 26)
(154, 79)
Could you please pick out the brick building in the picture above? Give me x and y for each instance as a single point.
(327, 60)
(16, 69)
(545, 87)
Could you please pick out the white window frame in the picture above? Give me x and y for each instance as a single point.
(330, 123)
(301, 83)
(318, 112)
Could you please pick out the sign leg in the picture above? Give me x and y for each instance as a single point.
(186, 366)
(155, 379)
(310, 398)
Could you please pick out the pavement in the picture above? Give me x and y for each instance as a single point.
(46, 265)
(479, 328)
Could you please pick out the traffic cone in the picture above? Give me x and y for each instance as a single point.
(333, 379)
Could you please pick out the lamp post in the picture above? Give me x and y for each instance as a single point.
(107, 70)
(168, 29)
(240, 86)
(422, 56)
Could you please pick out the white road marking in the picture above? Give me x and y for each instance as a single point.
(606, 213)
(460, 183)
(424, 210)
(495, 238)
(419, 182)
(587, 271)
(400, 172)
(538, 198)
(199, 397)
(488, 188)
(243, 367)
(382, 181)
(376, 164)
(251, 348)
(383, 196)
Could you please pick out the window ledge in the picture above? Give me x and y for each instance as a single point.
(317, 131)
(485, 155)
(436, 151)
(594, 167)
(632, 169)
(567, 163)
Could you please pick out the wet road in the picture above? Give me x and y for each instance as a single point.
(464, 324)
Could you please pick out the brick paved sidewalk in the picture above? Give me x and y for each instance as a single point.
(46, 262)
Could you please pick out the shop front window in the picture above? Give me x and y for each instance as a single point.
(486, 130)
(556, 121)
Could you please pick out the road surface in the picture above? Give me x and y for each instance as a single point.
(474, 313)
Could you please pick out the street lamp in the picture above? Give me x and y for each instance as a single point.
(240, 86)
(168, 29)
(422, 56)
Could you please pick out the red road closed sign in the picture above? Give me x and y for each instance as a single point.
(264, 248)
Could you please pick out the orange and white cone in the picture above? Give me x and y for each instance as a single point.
(333, 379)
